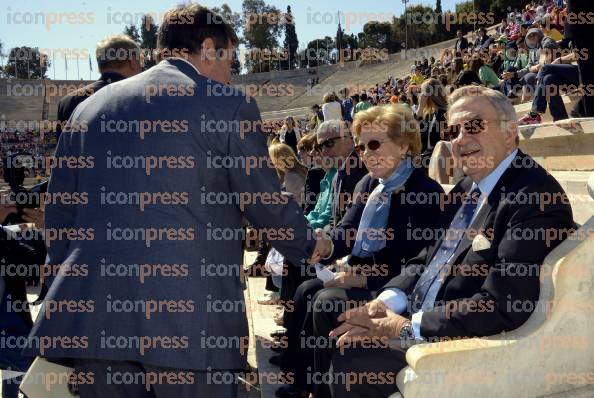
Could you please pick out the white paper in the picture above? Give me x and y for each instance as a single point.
(324, 273)
(274, 262)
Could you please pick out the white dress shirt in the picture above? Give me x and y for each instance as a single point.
(186, 61)
(332, 111)
(395, 299)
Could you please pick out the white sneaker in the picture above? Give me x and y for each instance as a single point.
(269, 298)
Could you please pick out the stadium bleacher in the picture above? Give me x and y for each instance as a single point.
(565, 149)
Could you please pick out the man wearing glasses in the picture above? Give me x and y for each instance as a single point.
(466, 284)
(336, 148)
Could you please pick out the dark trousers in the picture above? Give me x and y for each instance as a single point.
(513, 85)
(10, 387)
(15, 323)
(585, 107)
(529, 82)
(328, 304)
(549, 81)
(118, 379)
(366, 372)
(294, 276)
(299, 324)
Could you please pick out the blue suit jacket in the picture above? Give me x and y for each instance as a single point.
(191, 159)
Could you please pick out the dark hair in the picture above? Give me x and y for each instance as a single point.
(458, 65)
(475, 64)
(185, 28)
(355, 97)
(363, 97)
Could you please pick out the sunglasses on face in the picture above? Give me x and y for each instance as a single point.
(329, 143)
(471, 127)
(372, 145)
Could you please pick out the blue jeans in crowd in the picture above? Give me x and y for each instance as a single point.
(550, 79)
(529, 82)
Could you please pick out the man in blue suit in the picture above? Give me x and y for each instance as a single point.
(168, 162)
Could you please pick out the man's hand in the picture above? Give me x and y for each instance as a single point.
(34, 216)
(323, 247)
(360, 317)
(361, 324)
(382, 329)
(507, 75)
(535, 68)
(347, 279)
(6, 208)
(557, 61)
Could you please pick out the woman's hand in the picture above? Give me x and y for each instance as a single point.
(34, 216)
(347, 279)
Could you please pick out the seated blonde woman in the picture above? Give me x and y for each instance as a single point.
(290, 171)
(291, 175)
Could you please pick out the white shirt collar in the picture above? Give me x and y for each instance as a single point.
(186, 61)
(487, 184)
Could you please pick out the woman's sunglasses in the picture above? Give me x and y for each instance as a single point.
(471, 127)
(372, 145)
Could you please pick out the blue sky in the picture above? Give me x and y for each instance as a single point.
(36, 23)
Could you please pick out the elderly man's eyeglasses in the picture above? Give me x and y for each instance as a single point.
(471, 127)
(329, 143)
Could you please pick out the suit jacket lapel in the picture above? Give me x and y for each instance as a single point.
(475, 226)
(489, 206)
(450, 211)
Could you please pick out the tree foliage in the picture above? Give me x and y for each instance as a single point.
(132, 32)
(234, 19)
(26, 63)
(148, 40)
(291, 43)
(261, 34)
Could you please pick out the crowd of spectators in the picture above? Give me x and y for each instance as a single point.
(30, 143)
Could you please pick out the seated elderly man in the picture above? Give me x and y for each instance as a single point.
(470, 282)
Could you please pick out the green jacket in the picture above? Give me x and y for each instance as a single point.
(519, 62)
(361, 106)
(488, 76)
(321, 215)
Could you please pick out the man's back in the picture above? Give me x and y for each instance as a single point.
(162, 196)
(68, 103)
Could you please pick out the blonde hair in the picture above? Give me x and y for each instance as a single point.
(282, 154)
(397, 120)
(328, 97)
(436, 96)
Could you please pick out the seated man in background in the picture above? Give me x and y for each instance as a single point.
(552, 81)
(540, 49)
(469, 282)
